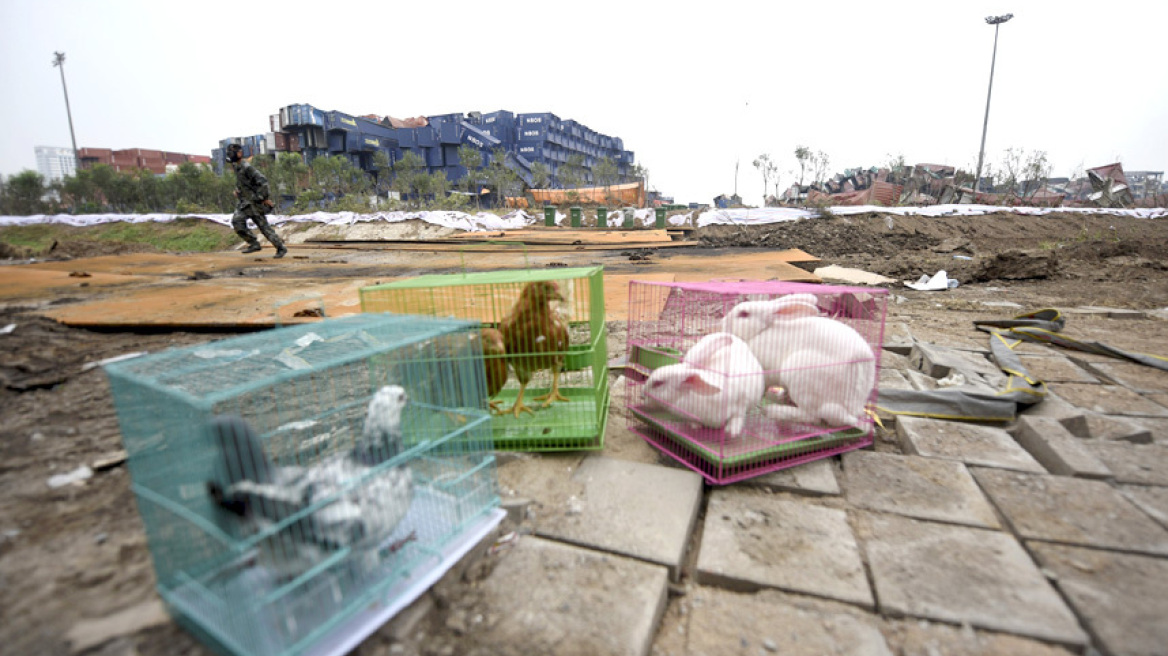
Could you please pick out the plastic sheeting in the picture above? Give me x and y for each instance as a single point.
(778, 214)
(459, 220)
(520, 219)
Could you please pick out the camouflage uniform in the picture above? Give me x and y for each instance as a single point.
(253, 191)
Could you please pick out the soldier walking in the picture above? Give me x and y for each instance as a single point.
(253, 202)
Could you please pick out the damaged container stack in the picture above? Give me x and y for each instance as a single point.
(524, 138)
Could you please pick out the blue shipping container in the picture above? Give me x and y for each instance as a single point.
(479, 139)
(374, 128)
(336, 142)
(340, 121)
(406, 137)
(449, 133)
(426, 137)
(434, 157)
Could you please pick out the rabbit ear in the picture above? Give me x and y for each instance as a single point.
(794, 309)
(697, 383)
(699, 354)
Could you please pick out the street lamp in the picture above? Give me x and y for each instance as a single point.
(59, 62)
(996, 21)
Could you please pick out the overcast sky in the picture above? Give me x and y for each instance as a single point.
(691, 88)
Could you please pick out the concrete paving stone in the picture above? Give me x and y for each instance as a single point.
(897, 337)
(962, 575)
(927, 488)
(1053, 405)
(631, 508)
(753, 540)
(925, 638)
(1134, 376)
(1158, 427)
(969, 443)
(940, 361)
(893, 379)
(723, 623)
(1120, 597)
(815, 477)
(1151, 500)
(1059, 452)
(1072, 511)
(920, 381)
(1055, 368)
(1109, 400)
(1115, 428)
(558, 599)
(1144, 464)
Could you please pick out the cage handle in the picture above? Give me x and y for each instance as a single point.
(462, 252)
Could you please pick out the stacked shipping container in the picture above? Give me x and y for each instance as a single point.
(527, 138)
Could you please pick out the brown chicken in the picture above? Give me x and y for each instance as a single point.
(495, 362)
(535, 339)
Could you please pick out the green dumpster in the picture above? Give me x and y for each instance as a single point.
(630, 217)
(660, 224)
(549, 216)
(602, 217)
(574, 214)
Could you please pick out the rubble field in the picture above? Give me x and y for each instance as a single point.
(73, 557)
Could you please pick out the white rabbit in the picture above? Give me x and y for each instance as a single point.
(715, 386)
(826, 369)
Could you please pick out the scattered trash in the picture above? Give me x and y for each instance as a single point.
(76, 476)
(308, 339)
(955, 379)
(962, 257)
(110, 461)
(80, 274)
(836, 273)
(117, 358)
(936, 282)
(309, 312)
(504, 542)
(7, 329)
(199, 275)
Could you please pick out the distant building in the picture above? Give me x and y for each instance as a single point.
(55, 163)
(157, 162)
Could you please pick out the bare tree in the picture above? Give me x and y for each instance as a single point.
(1037, 170)
(768, 169)
(803, 154)
(819, 162)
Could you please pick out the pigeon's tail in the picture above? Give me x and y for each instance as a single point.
(243, 453)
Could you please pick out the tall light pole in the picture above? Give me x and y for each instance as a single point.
(59, 62)
(996, 21)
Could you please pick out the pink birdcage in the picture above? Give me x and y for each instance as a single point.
(737, 379)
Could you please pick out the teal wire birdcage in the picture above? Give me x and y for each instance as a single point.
(493, 299)
(250, 581)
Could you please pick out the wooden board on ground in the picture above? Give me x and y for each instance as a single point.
(564, 236)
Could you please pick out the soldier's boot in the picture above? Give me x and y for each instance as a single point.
(280, 251)
(253, 244)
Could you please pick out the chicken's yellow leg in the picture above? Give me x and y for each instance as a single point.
(554, 394)
(519, 406)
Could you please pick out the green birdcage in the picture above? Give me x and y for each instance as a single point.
(287, 512)
(558, 343)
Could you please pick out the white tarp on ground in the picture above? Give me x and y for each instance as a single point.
(777, 214)
(520, 219)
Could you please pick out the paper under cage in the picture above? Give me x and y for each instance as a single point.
(283, 586)
(810, 370)
(490, 298)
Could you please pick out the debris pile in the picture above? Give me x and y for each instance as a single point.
(930, 184)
